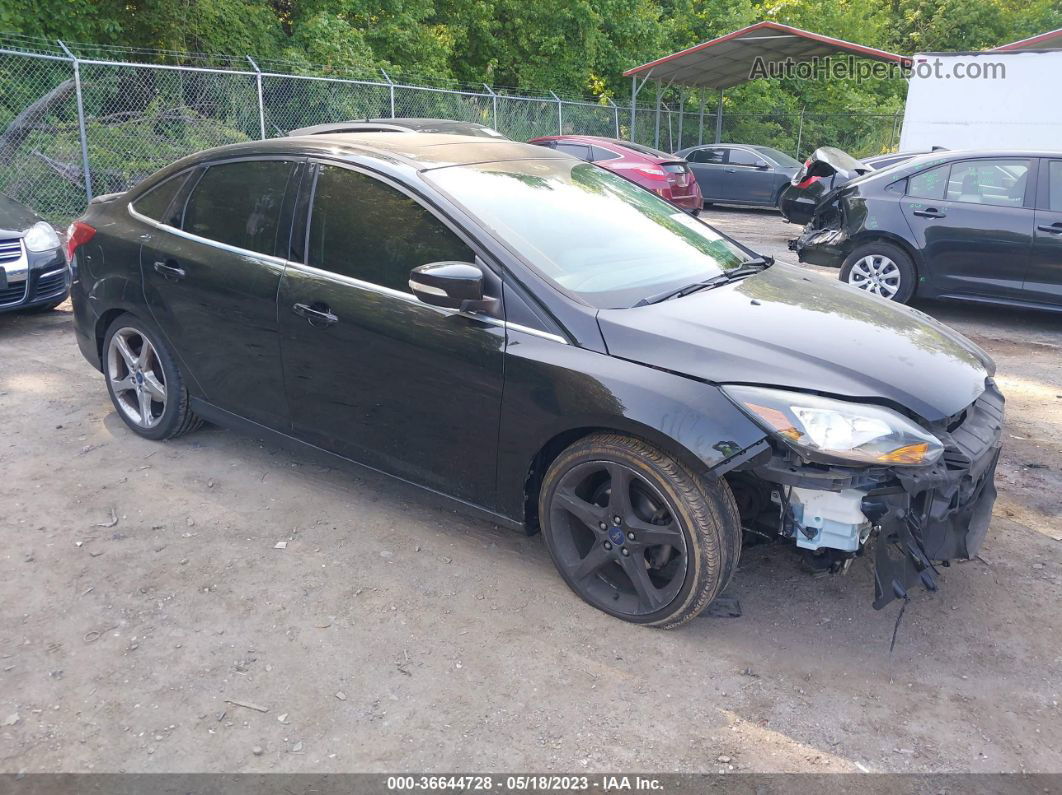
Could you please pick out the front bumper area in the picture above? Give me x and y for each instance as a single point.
(941, 514)
(910, 518)
(42, 278)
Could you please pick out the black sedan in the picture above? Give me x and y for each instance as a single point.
(977, 226)
(548, 345)
(740, 174)
(33, 273)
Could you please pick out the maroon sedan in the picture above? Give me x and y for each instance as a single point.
(665, 175)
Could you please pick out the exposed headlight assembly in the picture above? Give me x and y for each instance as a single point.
(41, 237)
(851, 431)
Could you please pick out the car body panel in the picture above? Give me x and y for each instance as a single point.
(736, 183)
(961, 249)
(681, 189)
(737, 333)
(827, 169)
(28, 279)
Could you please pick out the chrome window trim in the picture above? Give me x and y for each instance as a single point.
(359, 283)
(197, 239)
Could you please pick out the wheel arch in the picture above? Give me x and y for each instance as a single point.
(548, 452)
(870, 236)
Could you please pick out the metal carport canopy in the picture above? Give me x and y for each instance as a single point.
(728, 60)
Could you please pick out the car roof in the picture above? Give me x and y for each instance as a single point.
(420, 151)
(396, 124)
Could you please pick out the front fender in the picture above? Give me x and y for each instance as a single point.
(552, 388)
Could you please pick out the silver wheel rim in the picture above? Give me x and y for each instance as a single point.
(877, 274)
(136, 377)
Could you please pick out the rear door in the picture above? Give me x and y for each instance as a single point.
(708, 164)
(974, 222)
(1043, 281)
(371, 372)
(211, 277)
(749, 179)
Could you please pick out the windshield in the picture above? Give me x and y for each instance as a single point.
(781, 158)
(590, 231)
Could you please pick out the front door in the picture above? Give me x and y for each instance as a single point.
(749, 179)
(374, 374)
(974, 224)
(1043, 280)
(708, 165)
(211, 285)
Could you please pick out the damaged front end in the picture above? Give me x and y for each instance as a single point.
(910, 518)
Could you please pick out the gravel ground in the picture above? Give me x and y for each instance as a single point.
(149, 623)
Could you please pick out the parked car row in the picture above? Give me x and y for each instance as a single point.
(547, 344)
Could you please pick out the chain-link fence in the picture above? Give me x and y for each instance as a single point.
(74, 127)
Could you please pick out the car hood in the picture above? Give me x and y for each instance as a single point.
(15, 218)
(787, 328)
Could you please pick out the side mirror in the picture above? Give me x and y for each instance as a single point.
(454, 285)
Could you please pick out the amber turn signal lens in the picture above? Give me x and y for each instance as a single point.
(911, 454)
(776, 419)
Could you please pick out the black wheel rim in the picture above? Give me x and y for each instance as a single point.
(616, 539)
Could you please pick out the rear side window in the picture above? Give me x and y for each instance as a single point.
(1054, 185)
(1000, 183)
(598, 154)
(362, 228)
(716, 156)
(929, 184)
(739, 157)
(239, 204)
(157, 201)
(581, 151)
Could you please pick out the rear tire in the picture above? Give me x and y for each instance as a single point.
(656, 551)
(882, 269)
(144, 382)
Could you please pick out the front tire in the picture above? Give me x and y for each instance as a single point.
(882, 269)
(635, 533)
(143, 380)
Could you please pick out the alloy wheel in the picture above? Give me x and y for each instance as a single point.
(877, 274)
(616, 538)
(136, 377)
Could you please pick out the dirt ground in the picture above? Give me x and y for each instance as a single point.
(149, 623)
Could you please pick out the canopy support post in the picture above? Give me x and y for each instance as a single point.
(635, 88)
(719, 119)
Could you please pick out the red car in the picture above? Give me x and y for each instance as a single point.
(665, 175)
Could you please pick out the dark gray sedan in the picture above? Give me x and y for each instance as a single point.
(739, 173)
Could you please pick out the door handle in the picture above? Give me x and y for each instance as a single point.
(314, 316)
(1055, 229)
(171, 272)
(929, 212)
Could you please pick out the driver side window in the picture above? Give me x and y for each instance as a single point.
(367, 230)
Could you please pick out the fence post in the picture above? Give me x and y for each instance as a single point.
(659, 96)
(261, 103)
(682, 108)
(560, 115)
(391, 86)
(800, 132)
(80, 121)
(494, 102)
(615, 111)
(700, 127)
(719, 119)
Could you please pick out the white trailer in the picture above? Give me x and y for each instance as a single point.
(987, 100)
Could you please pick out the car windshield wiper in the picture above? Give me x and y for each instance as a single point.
(746, 268)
